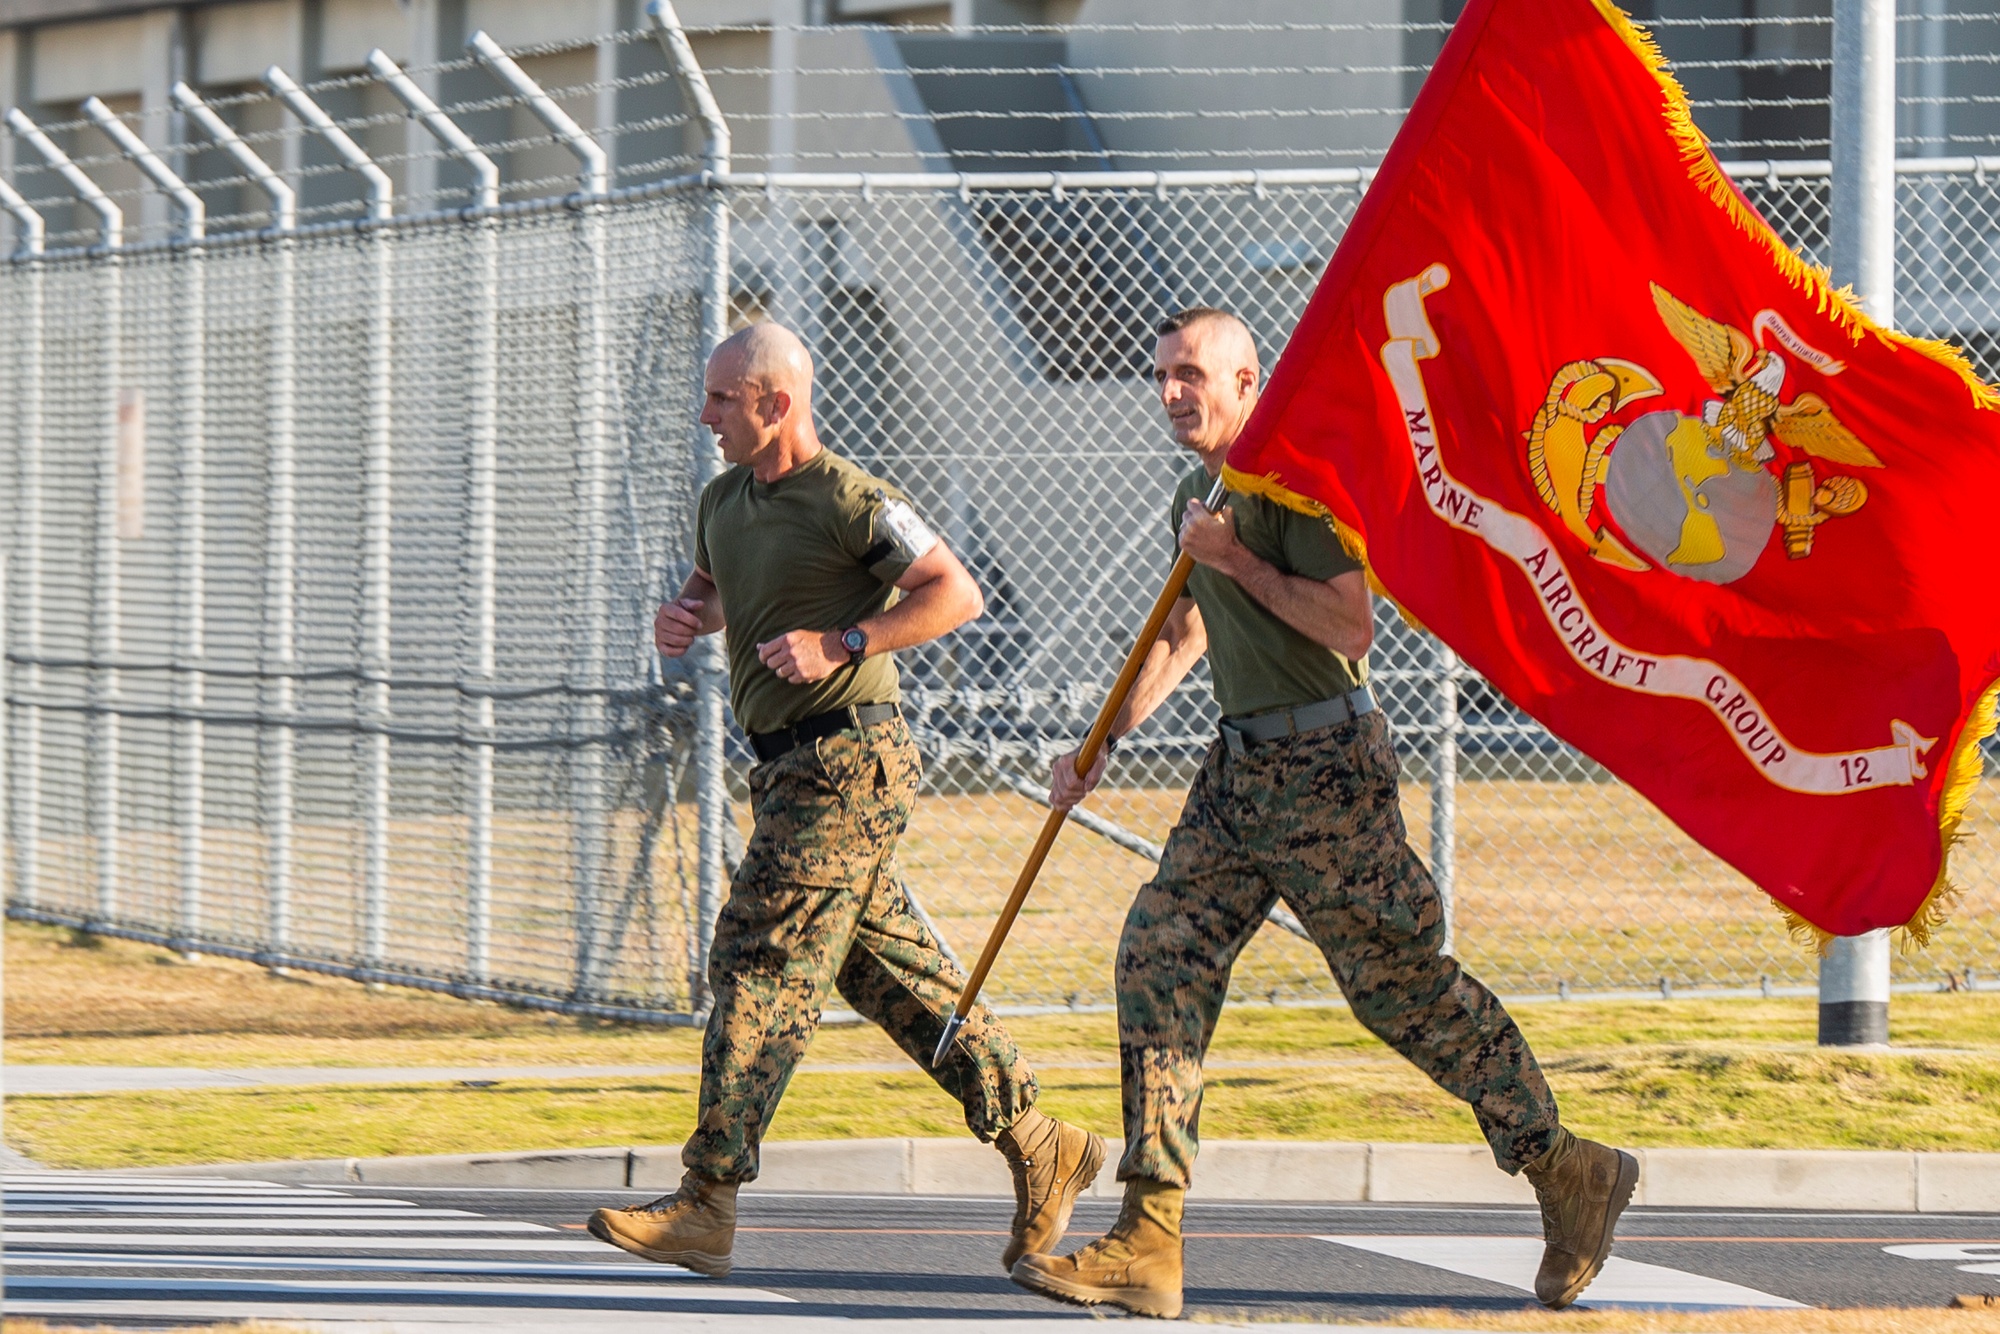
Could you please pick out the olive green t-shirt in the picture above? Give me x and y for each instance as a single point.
(1259, 663)
(819, 549)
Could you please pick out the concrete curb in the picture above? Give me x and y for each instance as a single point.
(1231, 1170)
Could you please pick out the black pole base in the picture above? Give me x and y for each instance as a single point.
(1854, 1024)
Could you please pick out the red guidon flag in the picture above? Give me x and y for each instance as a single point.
(1594, 424)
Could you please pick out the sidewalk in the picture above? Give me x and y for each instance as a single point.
(1232, 1170)
(1239, 1170)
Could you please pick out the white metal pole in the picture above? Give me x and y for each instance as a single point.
(711, 667)
(588, 797)
(1863, 128)
(483, 570)
(786, 16)
(26, 808)
(280, 521)
(1854, 972)
(107, 617)
(190, 385)
(281, 554)
(377, 514)
(481, 523)
(6, 783)
(591, 157)
(1854, 991)
(1444, 793)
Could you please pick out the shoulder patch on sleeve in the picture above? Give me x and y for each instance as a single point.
(909, 537)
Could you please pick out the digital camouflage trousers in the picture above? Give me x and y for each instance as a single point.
(817, 906)
(1315, 820)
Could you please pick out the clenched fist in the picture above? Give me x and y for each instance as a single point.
(1211, 537)
(677, 625)
(1065, 788)
(803, 656)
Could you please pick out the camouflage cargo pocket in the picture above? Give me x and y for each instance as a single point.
(829, 812)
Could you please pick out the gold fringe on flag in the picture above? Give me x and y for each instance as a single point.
(1351, 541)
(1963, 772)
(1966, 765)
(1838, 303)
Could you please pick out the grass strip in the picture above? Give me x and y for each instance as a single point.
(88, 1000)
(1698, 1097)
(1736, 1073)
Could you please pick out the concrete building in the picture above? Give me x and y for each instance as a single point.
(894, 84)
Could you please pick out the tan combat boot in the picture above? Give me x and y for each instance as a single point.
(1137, 1265)
(1583, 1187)
(694, 1227)
(1053, 1163)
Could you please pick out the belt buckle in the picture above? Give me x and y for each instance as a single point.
(1233, 739)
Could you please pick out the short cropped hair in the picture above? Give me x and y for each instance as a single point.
(1182, 319)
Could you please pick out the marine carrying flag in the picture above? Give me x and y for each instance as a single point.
(1591, 422)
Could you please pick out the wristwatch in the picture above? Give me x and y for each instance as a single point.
(855, 640)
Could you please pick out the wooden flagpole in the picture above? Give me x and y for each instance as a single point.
(1086, 756)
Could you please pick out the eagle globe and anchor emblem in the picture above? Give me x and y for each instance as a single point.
(1703, 495)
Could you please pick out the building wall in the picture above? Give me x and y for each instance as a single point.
(769, 62)
(1196, 140)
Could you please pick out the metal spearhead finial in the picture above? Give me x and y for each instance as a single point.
(951, 1031)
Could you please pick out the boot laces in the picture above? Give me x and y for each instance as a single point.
(687, 1194)
(1561, 1196)
(664, 1205)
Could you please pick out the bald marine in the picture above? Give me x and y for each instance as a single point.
(758, 399)
(815, 573)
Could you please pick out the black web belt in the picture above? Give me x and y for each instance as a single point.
(1241, 733)
(770, 745)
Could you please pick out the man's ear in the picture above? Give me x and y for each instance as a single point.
(780, 406)
(1246, 382)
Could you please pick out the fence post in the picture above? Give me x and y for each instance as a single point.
(593, 357)
(25, 810)
(1444, 791)
(280, 520)
(710, 663)
(191, 386)
(107, 608)
(377, 515)
(1854, 973)
(481, 536)
(6, 756)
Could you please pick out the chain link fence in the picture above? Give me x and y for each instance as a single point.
(334, 550)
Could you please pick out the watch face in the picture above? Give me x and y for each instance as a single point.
(854, 640)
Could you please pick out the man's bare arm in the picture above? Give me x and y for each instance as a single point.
(1338, 612)
(1182, 642)
(1183, 639)
(697, 611)
(939, 595)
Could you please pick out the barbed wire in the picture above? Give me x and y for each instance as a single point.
(646, 104)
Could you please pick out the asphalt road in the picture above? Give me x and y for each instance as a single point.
(143, 1251)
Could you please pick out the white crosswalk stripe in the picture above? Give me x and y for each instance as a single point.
(349, 1224)
(304, 1243)
(82, 1249)
(1623, 1284)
